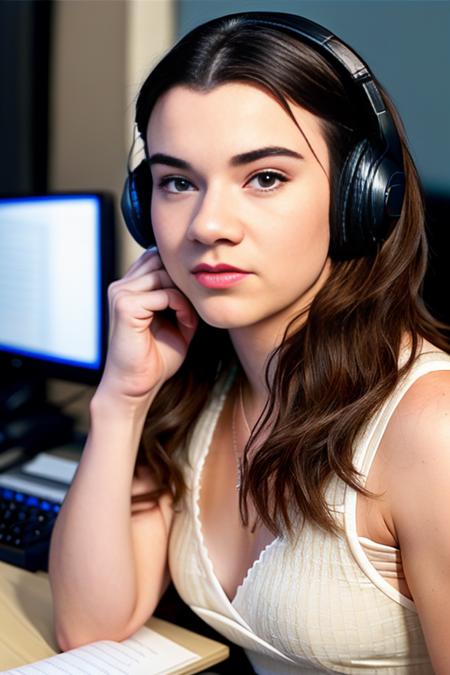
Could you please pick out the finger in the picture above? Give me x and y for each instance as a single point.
(139, 309)
(150, 252)
(184, 311)
(147, 262)
(144, 265)
(166, 298)
(147, 282)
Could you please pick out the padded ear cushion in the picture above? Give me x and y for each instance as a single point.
(358, 223)
(135, 204)
(370, 196)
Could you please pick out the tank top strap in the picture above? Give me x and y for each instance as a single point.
(370, 437)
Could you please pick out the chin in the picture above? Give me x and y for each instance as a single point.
(221, 322)
(221, 318)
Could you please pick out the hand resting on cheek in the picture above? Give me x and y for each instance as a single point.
(146, 347)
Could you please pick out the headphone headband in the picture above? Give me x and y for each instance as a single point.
(340, 55)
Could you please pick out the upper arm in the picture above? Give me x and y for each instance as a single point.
(419, 496)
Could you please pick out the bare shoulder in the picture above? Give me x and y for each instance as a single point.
(415, 446)
(421, 420)
(415, 459)
(416, 453)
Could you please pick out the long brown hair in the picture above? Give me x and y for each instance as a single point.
(333, 370)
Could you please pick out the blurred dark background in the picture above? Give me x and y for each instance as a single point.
(25, 38)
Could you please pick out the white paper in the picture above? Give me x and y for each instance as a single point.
(146, 652)
(50, 466)
(26, 478)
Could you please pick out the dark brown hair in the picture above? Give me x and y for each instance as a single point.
(334, 369)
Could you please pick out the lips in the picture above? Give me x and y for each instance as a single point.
(218, 277)
(217, 269)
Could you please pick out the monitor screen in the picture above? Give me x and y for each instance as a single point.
(56, 260)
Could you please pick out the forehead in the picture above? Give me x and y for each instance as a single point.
(234, 116)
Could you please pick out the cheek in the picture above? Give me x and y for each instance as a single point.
(168, 236)
(169, 221)
(163, 229)
(307, 231)
(319, 222)
(156, 219)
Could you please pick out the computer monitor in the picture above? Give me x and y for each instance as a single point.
(57, 257)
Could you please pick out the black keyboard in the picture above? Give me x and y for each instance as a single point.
(26, 524)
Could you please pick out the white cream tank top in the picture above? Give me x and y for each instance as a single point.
(318, 605)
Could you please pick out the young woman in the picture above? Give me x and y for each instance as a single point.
(276, 400)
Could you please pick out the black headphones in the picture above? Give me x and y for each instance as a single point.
(372, 182)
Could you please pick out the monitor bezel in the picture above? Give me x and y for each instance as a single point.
(15, 364)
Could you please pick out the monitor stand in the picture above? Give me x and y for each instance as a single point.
(29, 422)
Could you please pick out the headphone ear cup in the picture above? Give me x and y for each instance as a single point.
(370, 195)
(135, 204)
(352, 234)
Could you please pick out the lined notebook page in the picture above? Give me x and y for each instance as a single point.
(146, 652)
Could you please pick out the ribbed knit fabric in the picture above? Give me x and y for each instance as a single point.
(316, 605)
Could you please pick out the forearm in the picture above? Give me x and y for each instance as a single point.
(92, 565)
(107, 566)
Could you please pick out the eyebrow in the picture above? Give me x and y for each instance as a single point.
(236, 160)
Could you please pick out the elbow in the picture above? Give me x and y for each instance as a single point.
(72, 638)
(73, 641)
(66, 642)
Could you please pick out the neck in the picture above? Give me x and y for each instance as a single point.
(254, 345)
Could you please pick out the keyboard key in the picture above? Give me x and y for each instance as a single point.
(26, 523)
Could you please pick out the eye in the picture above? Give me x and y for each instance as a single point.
(266, 180)
(179, 184)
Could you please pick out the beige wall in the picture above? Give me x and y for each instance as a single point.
(101, 53)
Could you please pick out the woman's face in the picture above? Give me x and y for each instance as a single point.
(236, 184)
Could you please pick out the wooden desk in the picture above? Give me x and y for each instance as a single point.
(26, 624)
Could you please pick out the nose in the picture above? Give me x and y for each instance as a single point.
(215, 219)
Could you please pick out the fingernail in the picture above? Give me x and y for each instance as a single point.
(152, 249)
